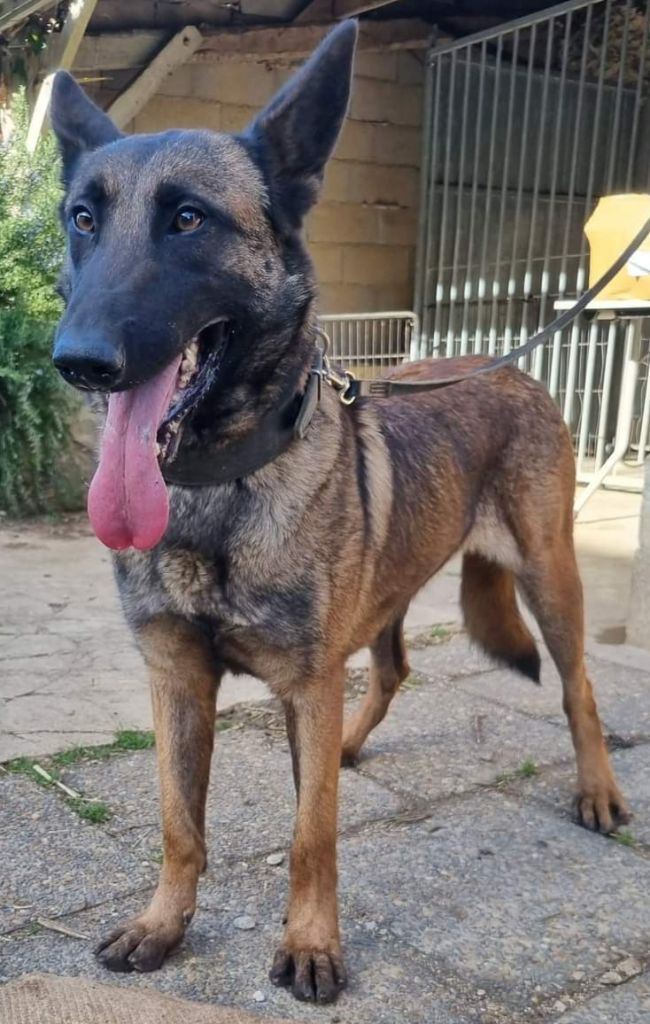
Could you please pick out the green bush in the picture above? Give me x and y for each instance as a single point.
(34, 406)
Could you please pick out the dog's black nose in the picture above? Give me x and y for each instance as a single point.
(88, 360)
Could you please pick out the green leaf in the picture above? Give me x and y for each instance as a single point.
(34, 405)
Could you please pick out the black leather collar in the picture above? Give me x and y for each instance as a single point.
(196, 465)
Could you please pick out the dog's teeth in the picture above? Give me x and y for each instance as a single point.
(189, 363)
(191, 353)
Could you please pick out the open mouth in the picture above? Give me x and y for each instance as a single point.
(128, 503)
(198, 371)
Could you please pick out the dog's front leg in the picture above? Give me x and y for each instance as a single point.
(184, 682)
(310, 959)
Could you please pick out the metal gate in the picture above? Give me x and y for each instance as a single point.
(526, 126)
(367, 343)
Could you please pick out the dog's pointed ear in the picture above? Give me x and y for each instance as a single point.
(295, 134)
(77, 122)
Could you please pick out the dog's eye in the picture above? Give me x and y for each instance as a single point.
(188, 218)
(83, 220)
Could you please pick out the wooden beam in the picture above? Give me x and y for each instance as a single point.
(178, 51)
(317, 10)
(292, 42)
(60, 53)
(351, 8)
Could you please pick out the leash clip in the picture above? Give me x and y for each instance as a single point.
(344, 382)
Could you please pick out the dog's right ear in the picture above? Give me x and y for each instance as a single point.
(79, 125)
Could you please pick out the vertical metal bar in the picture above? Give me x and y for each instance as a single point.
(414, 328)
(468, 287)
(541, 138)
(554, 373)
(614, 151)
(567, 405)
(459, 206)
(482, 287)
(572, 367)
(601, 437)
(645, 424)
(507, 334)
(546, 286)
(427, 170)
(427, 314)
(440, 286)
(586, 403)
(496, 283)
(580, 271)
(580, 275)
(638, 101)
(577, 145)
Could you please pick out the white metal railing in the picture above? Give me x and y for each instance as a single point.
(582, 370)
(367, 342)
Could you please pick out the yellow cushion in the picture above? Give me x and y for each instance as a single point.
(611, 227)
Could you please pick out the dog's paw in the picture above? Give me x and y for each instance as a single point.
(313, 975)
(139, 945)
(602, 810)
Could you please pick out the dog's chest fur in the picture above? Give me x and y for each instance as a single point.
(231, 561)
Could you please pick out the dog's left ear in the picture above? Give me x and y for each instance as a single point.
(77, 122)
(295, 134)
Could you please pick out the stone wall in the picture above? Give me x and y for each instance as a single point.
(362, 234)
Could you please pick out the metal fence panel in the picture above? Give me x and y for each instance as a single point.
(366, 343)
(526, 126)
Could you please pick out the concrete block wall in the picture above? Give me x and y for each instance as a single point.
(362, 233)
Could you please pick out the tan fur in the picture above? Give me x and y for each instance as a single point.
(184, 683)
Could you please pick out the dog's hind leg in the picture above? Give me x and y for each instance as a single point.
(309, 958)
(492, 618)
(388, 668)
(552, 587)
(184, 682)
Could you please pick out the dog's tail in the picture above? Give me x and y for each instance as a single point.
(492, 617)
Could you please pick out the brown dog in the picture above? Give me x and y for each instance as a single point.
(190, 301)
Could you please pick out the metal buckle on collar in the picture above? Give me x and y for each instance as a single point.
(342, 382)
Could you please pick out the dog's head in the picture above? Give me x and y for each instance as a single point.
(184, 256)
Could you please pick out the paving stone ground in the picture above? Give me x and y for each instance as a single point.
(468, 895)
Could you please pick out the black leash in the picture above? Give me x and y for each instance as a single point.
(380, 387)
(195, 465)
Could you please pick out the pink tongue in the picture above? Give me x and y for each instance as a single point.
(127, 501)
